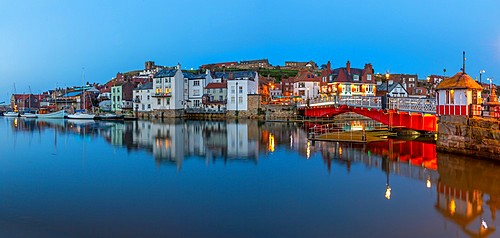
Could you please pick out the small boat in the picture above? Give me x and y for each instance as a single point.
(10, 114)
(29, 115)
(54, 115)
(110, 116)
(81, 116)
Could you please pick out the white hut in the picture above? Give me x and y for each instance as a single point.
(459, 95)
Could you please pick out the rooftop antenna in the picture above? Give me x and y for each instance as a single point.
(463, 61)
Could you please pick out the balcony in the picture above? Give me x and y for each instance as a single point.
(162, 95)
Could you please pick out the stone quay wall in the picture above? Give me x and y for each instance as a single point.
(475, 136)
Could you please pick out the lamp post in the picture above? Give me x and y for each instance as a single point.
(429, 86)
(387, 75)
(481, 72)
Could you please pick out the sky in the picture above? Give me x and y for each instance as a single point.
(44, 44)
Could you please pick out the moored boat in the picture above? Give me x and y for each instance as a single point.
(29, 115)
(81, 116)
(10, 114)
(111, 116)
(54, 115)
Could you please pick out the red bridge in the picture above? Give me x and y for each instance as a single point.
(412, 113)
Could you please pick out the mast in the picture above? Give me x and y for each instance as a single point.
(29, 99)
(83, 90)
(463, 62)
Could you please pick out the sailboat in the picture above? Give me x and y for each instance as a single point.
(14, 112)
(54, 115)
(29, 114)
(81, 114)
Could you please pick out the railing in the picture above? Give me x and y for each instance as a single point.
(359, 101)
(425, 105)
(422, 105)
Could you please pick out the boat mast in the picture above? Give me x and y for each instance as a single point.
(29, 99)
(83, 89)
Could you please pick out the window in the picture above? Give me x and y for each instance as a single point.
(233, 89)
(220, 90)
(159, 101)
(148, 97)
(241, 89)
(149, 106)
(196, 83)
(168, 101)
(411, 79)
(369, 77)
(196, 92)
(240, 100)
(355, 77)
(233, 99)
(221, 98)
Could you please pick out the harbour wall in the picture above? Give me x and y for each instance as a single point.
(474, 136)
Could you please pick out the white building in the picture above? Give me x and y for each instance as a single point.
(239, 85)
(195, 86)
(395, 89)
(459, 95)
(307, 89)
(168, 89)
(142, 97)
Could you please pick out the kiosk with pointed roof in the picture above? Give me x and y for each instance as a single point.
(459, 95)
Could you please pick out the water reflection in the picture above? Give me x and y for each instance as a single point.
(466, 191)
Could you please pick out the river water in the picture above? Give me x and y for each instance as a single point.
(63, 178)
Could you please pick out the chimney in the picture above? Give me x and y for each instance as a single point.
(348, 67)
(329, 66)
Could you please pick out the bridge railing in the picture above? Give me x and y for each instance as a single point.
(362, 101)
(424, 105)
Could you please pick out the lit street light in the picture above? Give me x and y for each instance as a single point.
(481, 72)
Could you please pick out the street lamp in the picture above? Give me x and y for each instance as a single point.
(387, 75)
(481, 72)
(490, 79)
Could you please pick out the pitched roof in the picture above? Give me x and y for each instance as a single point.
(383, 87)
(341, 74)
(166, 73)
(216, 85)
(306, 76)
(459, 81)
(145, 86)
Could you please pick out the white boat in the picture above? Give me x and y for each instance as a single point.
(10, 114)
(54, 115)
(29, 115)
(81, 116)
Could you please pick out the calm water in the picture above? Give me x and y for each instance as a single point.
(246, 179)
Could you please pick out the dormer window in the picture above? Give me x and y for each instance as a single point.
(355, 77)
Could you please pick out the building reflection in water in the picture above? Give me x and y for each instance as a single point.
(468, 190)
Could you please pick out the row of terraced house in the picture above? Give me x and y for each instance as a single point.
(170, 88)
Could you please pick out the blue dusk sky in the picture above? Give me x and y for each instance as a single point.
(46, 43)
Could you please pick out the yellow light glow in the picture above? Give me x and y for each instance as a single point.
(452, 206)
(308, 150)
(270, 146)
(388, 192)
(428, 183)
